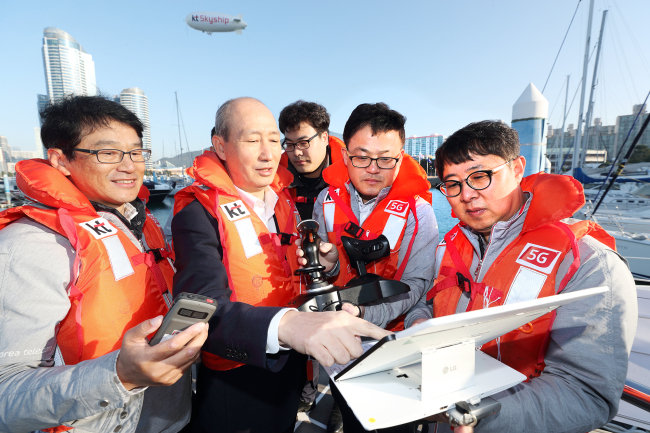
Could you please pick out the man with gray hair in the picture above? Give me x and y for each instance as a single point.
(233, 235)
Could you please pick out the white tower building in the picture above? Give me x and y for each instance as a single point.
(68, 68)
(529, 116)
(135, 100)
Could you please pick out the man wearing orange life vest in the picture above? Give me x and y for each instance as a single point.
(308, 149)
(516, 242)
(378, 189)
(86, 278)
(233, 232)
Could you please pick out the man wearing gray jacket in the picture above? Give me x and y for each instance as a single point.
(377, 189)
(516, 242)
(77, 294)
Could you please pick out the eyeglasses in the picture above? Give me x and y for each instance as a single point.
(113, 156)
(477, 181)
(385, 163)
(300, 144)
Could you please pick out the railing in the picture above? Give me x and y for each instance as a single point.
(636, 394)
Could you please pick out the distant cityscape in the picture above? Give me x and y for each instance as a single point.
(69, 69)
(603, 142)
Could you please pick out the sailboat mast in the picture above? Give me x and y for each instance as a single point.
(561, 152)
(178, 118)
(575, 163)
(590, 110)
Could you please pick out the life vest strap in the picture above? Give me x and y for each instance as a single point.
(400, 270)
(150, 260)
(344, 207)
(301, 199)
(68, 225)
(222, 237)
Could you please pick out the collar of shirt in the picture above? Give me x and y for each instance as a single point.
(133, 217)
(265, 209)
(502, 231)
(365, 209)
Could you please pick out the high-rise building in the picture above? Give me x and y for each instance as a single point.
(40, 149)
(623, 126)
(135, 100)
(69, 69)
(5, 153)
(426, 145)
(603, 142)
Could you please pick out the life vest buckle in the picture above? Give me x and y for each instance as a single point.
(157, 255)
(463, 282)
(285, 238)
(353, 230)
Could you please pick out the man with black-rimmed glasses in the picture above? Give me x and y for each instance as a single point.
(516, 241)
(86, 277)
(308, 150)
(378, 189)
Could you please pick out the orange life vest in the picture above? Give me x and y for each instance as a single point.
(389, 218)
(335, 145)
(114, 286)
(526, 269)
(260, 264)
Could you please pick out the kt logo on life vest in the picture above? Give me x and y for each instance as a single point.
(99, 228)
(235, 210)
(538, 257)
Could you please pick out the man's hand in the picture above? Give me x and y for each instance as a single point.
(418, 321)
(327, 254)
(328, 336)
(139, 364)
(356, 310)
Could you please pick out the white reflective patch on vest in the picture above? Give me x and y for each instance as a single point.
(538, 257)
(120, 262)
(99, 228)
(396, 207)
(249, 240)
(393, 229)
(235, 210)
(526, 286)
(328, 214)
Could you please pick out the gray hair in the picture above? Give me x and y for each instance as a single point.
(222, 118)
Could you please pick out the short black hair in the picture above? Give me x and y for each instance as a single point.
(301, 111)
(213, 133)
(378, 116)
(488, 137)
(66, 122)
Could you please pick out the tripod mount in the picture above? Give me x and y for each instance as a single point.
(360, 290)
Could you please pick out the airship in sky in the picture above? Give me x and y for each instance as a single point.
(210, 22)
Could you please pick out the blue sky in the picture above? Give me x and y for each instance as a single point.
(441, 64)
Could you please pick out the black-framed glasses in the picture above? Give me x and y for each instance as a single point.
(113, 156)
(478, 180)
(300, 144)
(384, 162)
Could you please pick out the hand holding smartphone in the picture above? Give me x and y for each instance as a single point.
(187, 310)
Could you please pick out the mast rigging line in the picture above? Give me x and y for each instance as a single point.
(621, 166)
(620, 150)
(558, 52)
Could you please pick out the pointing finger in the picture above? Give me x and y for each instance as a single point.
(367, 329)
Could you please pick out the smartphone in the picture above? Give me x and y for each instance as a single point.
(187, 310)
